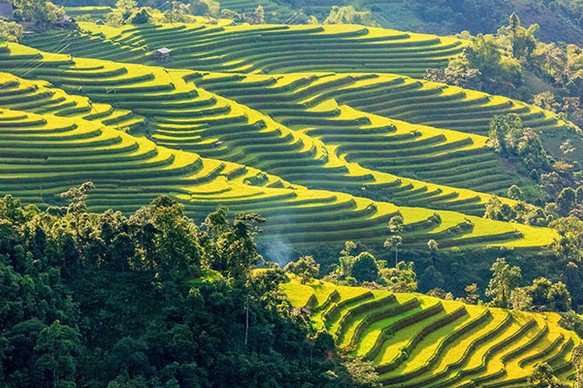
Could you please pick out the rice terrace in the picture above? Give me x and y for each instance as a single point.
(288, 193)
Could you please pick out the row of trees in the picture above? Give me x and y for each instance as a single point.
(359, 267)
(174, 11)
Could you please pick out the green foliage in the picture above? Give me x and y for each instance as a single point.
(430, 279)
(520, 40)
(206, 8)
(123, 12)
(566, 201)
(401, 278)
(108, 300)
(472, 295)
(363, 373)
(178, 12)
(509, 137)
(349, 15)
(39, 12)
(141, 17)
(514, 192)
(58, 349)
(229, 246)
(364, 268)
(543, 376)
(457, 73)
(496, 210)
(10, 31)
(570, 245)
(521, 299)
(305, 267)
(504, 280)
(78, 197)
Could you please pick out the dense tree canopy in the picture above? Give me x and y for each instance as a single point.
(147, 300)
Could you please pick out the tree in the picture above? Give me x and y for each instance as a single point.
(508, 137)
(521, 40)
(140, 17)
(229, 247)
(484, 55)
(503, 129)
(431, 278)
(504, 279)
(569, 246)
(10, 31)
(259, 15)
(363, 373)
(567, 201)
(514, 192)
(178, 12)
(497, 210)
(57, 349)
(458, 73)
(394, 242)
(349, 15)
(127, 7)
(401, 278)
(365, 268)
(123, 12)
(166, 240)
(305, 267)
(396, 227)
(39, 12)
(559, 298)
(440, 293)
(472, 294)
(432, 245)
(579, 194)
(544, 377)
(521, 299)
(206, 8)
(78, 197)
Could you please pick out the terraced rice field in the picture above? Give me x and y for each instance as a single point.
(326, 155)
(389, 123)
(261, 48)
(331, 147)
(207, 150)
(420, 341)
(42, 156)
(184, 116)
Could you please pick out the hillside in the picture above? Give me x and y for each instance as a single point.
(559, 20)
(334, 186)
(420, 341)
(245, 199)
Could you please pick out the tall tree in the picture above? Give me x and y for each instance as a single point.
(305, 267)
(58, 349)
(504, 279)
(365, 268)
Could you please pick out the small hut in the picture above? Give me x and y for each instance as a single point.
(162, 54)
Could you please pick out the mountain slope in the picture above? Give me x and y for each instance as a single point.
(420, 341)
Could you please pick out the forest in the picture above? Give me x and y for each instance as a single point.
(148, 300)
